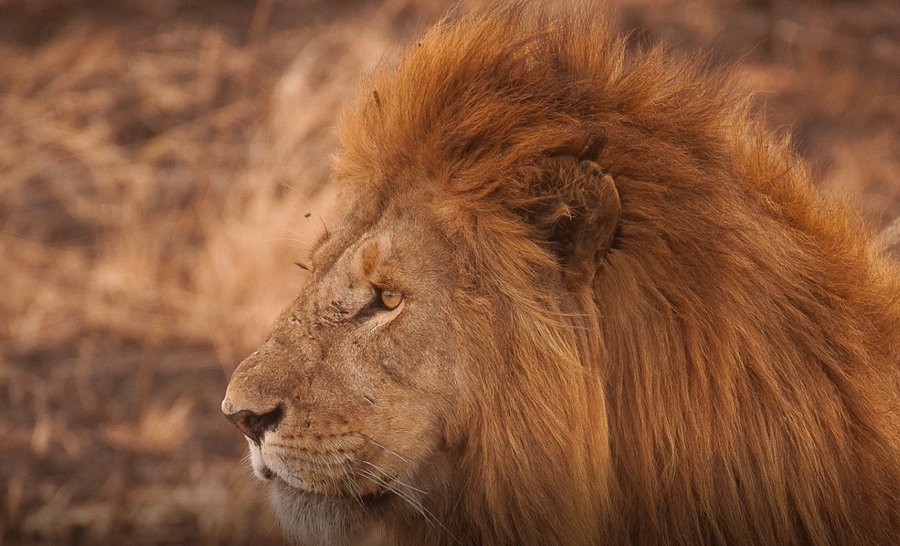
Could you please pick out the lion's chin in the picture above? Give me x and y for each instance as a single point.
(313, 519)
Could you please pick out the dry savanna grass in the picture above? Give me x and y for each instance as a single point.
(162, 164)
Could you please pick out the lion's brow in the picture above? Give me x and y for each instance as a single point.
(369, 258)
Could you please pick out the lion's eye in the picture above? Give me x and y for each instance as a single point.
(390, 300)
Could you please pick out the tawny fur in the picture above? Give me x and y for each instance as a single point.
(725, 371)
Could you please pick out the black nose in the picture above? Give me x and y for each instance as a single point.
(254, 426)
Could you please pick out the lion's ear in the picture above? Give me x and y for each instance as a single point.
(600, 210)
(578, 213)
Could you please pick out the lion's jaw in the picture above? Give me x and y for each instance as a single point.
(311, 517)
(344, 405)
(326, 520)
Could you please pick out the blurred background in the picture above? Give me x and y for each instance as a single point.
(164, 162)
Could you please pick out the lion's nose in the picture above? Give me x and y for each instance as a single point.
(253, 425)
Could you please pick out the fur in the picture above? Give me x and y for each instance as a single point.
(729, 376)
(660, 333)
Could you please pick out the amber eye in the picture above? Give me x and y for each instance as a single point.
(390, 300)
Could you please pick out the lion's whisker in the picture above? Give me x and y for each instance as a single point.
(387, 450)
(330, 473)
(409, 499)
(350, 485)
(387, 483)
(395, 479)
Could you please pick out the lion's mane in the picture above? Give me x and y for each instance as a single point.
(725, 371)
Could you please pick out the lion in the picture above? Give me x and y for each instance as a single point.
(579, 295)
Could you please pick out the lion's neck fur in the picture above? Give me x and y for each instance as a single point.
(750, 362)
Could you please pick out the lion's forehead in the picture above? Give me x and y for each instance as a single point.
(401, 244)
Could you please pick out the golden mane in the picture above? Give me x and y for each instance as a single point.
(722, 370)
(745, 342)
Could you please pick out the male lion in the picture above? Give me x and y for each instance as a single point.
(579, 296)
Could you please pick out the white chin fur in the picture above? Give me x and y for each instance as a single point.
(321, 520)
(308, 519)
(260, 470)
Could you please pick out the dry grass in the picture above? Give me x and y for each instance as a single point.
(157, 163)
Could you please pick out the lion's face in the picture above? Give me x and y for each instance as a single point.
(349, 396)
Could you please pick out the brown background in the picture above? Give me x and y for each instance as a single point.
(158, 159)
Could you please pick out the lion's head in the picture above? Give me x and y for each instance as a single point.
(576, 297)
(351, 395)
